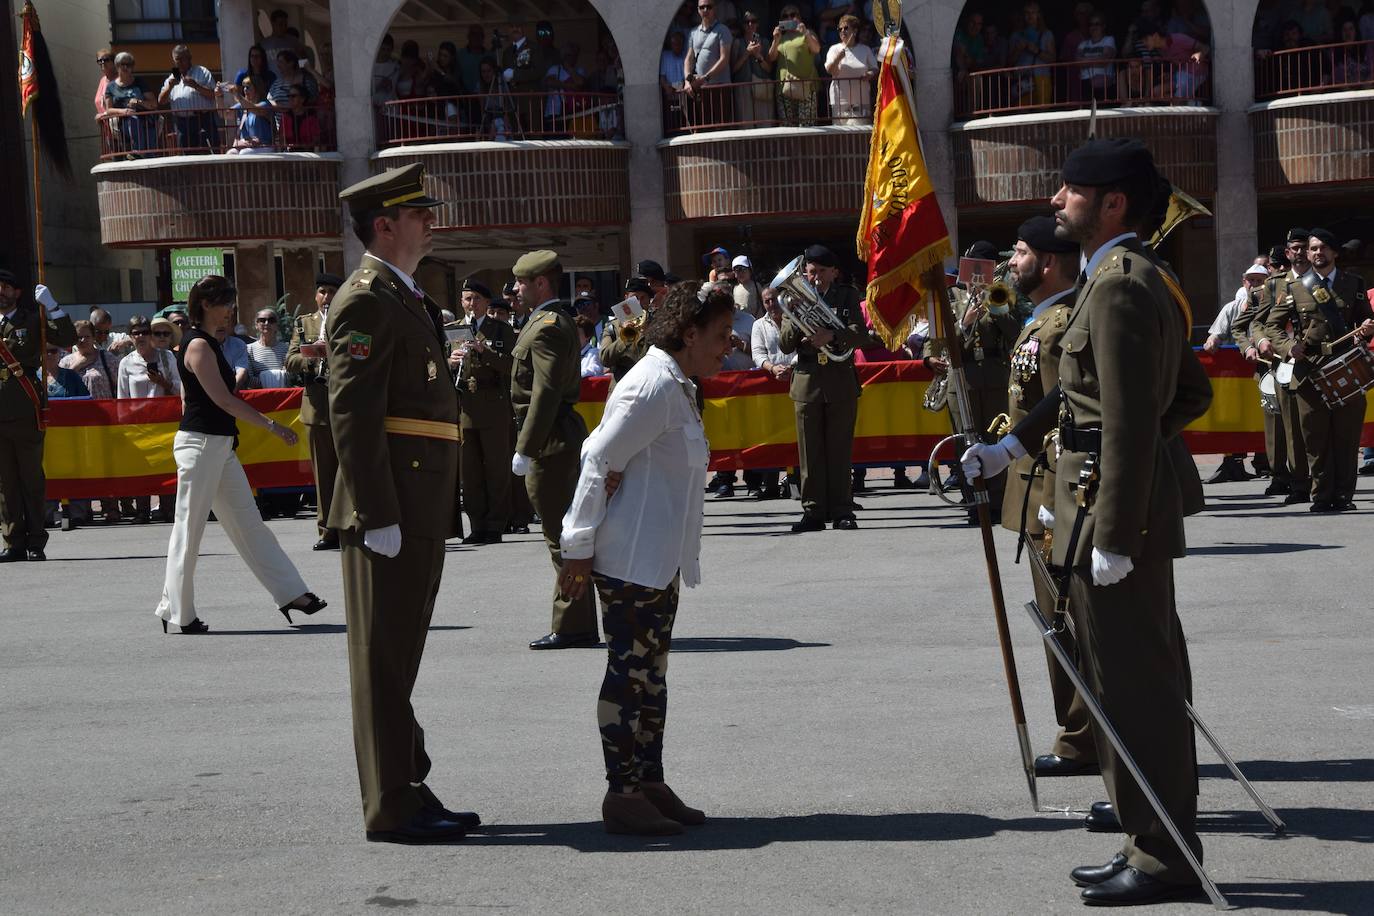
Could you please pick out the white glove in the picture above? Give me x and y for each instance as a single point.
(1046, 516)
(990, 460)
(1110, 568)
(44, 296)
(383, 541)
(519, 465)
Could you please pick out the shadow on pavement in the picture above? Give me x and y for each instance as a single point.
(309, 629)
(1345, 897)
(742, 644)
(105, 559)
(1227, 548)
(1361, 770)
(1337, 825)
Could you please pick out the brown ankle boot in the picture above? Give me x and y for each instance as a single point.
(633, 815)
(669, 805)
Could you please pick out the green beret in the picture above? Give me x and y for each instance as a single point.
(1107, 161)
(403, 187)
(535, 263)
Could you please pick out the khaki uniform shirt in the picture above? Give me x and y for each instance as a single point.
(546, 382)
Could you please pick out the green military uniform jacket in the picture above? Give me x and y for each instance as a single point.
(1128, 370)
(387, 358)
(991, 336)
(1034, 373)
(1297, 314)
(617, 356)
(315, 398)
(21, 333)
(812, 381)
(546, 382)
(484, 387)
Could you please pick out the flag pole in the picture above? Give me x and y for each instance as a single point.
(37, 200)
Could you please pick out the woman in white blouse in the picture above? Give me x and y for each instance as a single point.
(641, 545)
(851, 66)
(147, 372)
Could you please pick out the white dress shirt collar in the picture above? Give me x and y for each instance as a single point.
(1049, 303)
(1090, 263)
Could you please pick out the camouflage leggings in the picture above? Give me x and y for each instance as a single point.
(638, 623)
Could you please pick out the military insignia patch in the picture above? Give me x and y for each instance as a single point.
(432, 370)
(1321, 295)
(359, 345)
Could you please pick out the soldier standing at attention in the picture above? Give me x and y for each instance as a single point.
(1274, 290)
(1307, 326)
(308, 357)
(545, 387)
(483, 368)
(1125, 392)
(825, 392)
(1044, 268)
(394, 416)
(23, 485)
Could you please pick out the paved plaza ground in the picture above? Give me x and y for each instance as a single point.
(838, 709)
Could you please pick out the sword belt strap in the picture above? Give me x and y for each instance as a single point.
(17, 370)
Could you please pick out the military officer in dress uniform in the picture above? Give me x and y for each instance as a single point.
(1275, 289)
(1044, 267)
(483, 369)
(622, 344)
(393, 412)
(825, 394)
(1311, 324)
(1125, 392)
(545, 386)
(23, 486)
(308, 357)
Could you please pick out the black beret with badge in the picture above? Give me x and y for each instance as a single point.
(1108, 160)
(650, 270)
(1298, 234)
(1038, 233)
(638, 285)
(819, 254)
(983, 250)
(476, 286)
(331, 280)
(402, 187)
(7, 276)
(1325, 237)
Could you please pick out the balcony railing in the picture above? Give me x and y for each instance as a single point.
(769, 103)
(150, 134)
(1322, 68)
(502, 116)
(1122, 82)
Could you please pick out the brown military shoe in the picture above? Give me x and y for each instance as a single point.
(632, 814)
(669, 805)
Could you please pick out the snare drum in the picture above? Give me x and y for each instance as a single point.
(1269, 394)
(1345, 378)
(1283, 373)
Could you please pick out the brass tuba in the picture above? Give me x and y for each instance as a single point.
(801, 302)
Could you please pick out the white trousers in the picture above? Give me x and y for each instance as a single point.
(209, 477)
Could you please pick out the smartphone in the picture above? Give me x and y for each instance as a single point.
(176, 73)
(789, 25)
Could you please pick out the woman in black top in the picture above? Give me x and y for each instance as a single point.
(209, 476)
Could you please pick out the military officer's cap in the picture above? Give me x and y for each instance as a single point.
(403, 187)
(332, 280)
(983, 250)
(1038, 233)
(638, 285)
(509, 288)
(650, 270)
(1298, 234)
(474, 286)
(1324, 236)
(819, 254)
(8, 277)
(1108, 160)
(535, 264)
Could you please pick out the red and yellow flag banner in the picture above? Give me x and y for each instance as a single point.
(902, 234)
(124, 447)
(28, 72)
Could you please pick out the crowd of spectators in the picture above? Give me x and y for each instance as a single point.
(1304, 44)
(1038, 57)
(283, 100)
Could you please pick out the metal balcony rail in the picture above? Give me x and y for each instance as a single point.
(1316, 69)
(501, 115)
(769, 103)
(1119, 82)
(153, 134)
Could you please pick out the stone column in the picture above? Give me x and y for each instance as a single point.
(354, 25)
(1233, 77)
(931, 27)
(255, 278)
(236, 35)
(298, 276)
(644, 129)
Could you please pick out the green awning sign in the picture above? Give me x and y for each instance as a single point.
(189, 265)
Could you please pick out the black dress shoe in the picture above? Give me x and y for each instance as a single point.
(1297, 496)
(326, 544)
(1054, 765)
(1321, 505)
(1278, 487)
(807, 523)
(1088, 875)
(467, 819)
(1102, 818)
(490, 537)
(1230, 470)
(1130, 887)
(725, 491)
(848, 523)
(565, 641)
(1344, 505)
(517, 529)
(474, 538)
(13, 555)
(424, 827)
(38, 556)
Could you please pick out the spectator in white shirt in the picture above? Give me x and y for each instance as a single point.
(768, 354)
(640, 546)
(747, 290)
(190, 91)
(591, 357)
(146, 373)
(267, 354)
(280, 39)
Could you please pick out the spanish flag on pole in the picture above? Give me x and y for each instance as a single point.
(902, 233)
(28, 73)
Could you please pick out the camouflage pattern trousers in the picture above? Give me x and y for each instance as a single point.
(638, 623)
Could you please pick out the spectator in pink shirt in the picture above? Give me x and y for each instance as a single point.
(104, 58)
(1188, 58)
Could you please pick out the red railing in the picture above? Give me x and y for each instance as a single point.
(1074, 84)
(150, 134)
(1321, 68)
(769, 103)
(502, 116)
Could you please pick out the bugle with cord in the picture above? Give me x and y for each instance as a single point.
(802, 302)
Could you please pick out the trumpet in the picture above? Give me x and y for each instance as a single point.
(801, 302)
(628, 331)
(998, 295)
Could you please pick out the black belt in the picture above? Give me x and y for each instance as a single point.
(1080, 439)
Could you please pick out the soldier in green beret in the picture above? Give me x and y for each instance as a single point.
(393, 412)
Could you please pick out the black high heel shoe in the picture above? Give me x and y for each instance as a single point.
(314, 605)
(195, 626)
